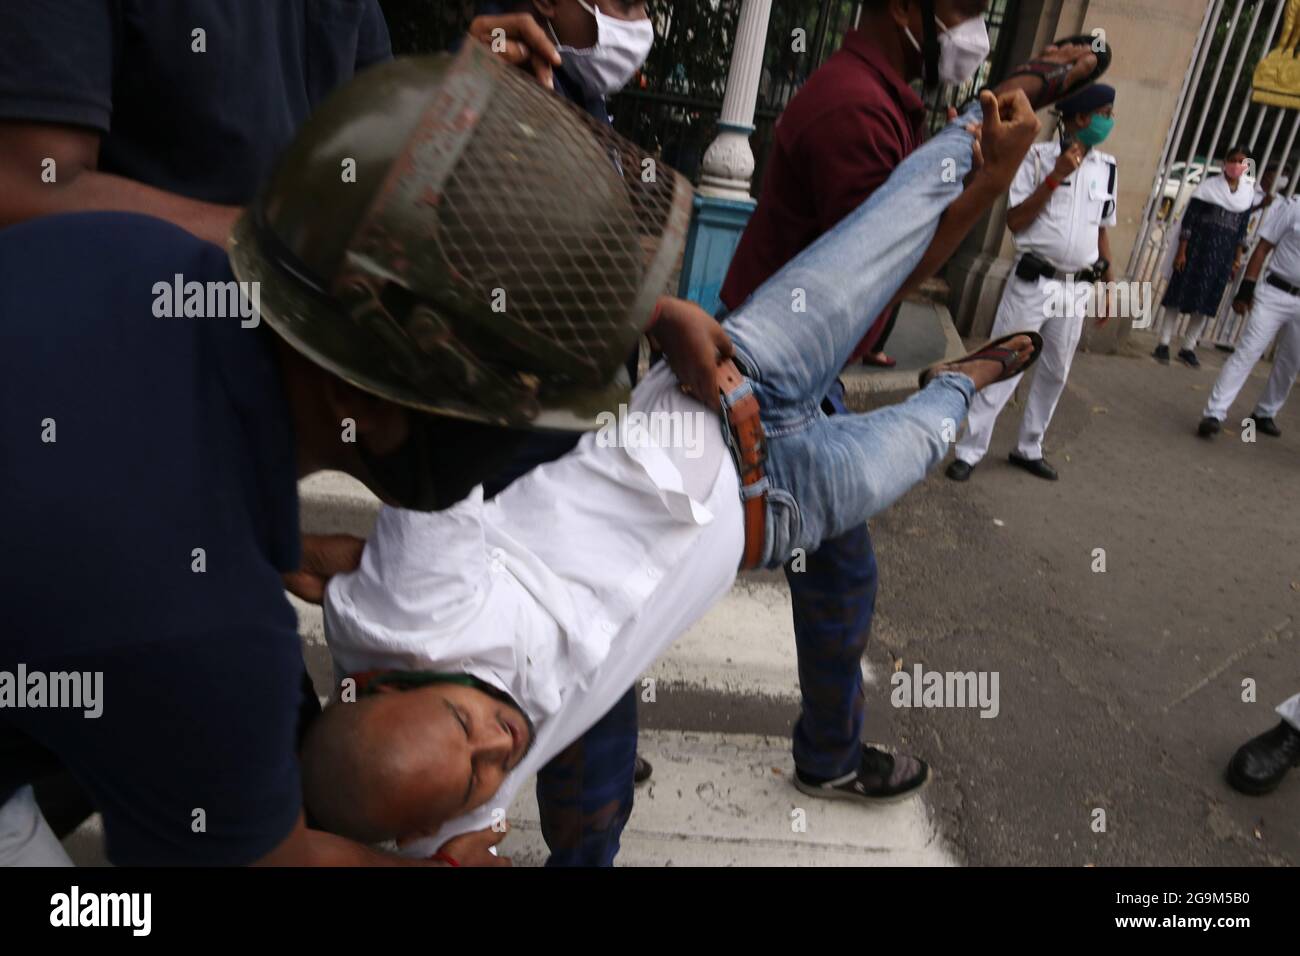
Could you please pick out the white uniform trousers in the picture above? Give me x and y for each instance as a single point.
(1275, 313)
(1289, 710)
(1025, 307)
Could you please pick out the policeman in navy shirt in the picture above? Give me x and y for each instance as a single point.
(150, 471)
(149, 452)
(174, 108)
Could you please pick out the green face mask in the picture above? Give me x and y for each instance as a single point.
(1098, 128)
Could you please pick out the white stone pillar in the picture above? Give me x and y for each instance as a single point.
(729, 162)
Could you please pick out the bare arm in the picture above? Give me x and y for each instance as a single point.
(304, 847)
(1021, 217)
(80, 186)
(959, 219)
(1009, 130)
(694, 343)
(1246, 292)
(1103, 249)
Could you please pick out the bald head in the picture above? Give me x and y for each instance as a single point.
(400, 764)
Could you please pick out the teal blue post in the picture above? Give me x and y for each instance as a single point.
(716, 227)
(724, 203)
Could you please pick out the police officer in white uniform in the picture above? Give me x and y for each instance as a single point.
(1274, 312)
(1062, 201)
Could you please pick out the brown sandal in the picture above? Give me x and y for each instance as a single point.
(994, 351)
(1054, 75)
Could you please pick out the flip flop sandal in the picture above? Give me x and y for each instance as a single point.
(1053, 75)
(884, 361)
(991, 352)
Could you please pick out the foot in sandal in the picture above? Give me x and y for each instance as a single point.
(1062, 69)
(996, 361)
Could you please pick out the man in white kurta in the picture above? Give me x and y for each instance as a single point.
(587, 599)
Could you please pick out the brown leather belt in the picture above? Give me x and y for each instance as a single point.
(749, 449)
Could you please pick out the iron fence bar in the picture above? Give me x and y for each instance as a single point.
(1272, 138)
(1175, 135)
(819, 32)
(1285, 157)
(1236, 75)
(1259, 125)
(1259, 8)
(1209, 102)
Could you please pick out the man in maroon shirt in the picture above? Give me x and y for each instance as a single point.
(854, 121)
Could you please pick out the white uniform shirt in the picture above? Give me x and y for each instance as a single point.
(1282, 229)
(561, 590)
(1260, 216)
(1066, 231)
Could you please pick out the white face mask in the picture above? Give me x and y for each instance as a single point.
(962, 50)
(621, 49)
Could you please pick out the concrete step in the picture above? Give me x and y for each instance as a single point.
(923, 335)
(728, 800)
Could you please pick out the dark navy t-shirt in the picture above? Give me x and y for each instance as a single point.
(207, 125)
(149, 506)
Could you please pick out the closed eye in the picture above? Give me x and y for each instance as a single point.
(463, 719)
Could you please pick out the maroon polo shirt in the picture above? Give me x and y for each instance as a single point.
(841, 136)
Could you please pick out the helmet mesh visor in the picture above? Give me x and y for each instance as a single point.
(556, 220)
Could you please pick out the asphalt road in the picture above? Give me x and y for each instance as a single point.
(1120, 691)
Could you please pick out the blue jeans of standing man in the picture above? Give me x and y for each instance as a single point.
(833, 596)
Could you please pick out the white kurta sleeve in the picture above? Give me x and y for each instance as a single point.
(421, 575)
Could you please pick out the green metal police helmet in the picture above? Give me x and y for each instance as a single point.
(446, 234)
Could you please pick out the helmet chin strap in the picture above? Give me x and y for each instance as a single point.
(930, 44)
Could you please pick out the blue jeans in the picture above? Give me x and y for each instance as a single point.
(827, 475)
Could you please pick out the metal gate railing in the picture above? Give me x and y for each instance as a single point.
(673, 110)
(1235, 35)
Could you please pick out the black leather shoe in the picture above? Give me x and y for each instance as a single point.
(641, 771)
(1266, 425)
(959, 470)
(1209, 427)
(1161, 354)
(1035, 466)
(1259, 765)
(1188, 358)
